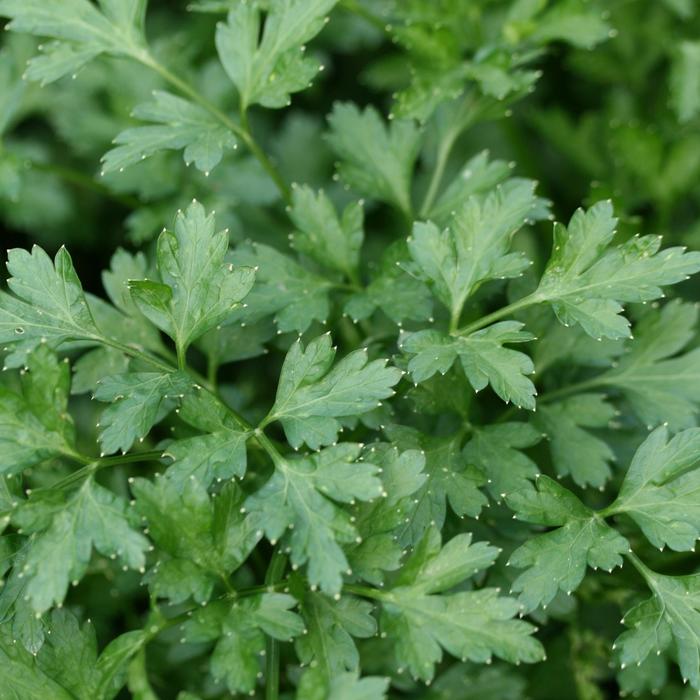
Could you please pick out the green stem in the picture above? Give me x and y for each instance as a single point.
(443, 154)
(181, 358)
(275, 572)
(499, 314)
(134, 352)
(641, 567)
(266, 163)
(365, 591)
(576, 388)
(242, 130)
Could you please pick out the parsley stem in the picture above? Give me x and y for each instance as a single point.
(642, 569)
(576, 388)
(499, 314)
(365, 591)
(266, 163)
(443, 155)
(275, 572)
(242, 130)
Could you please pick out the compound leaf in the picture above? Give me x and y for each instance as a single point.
(313, 394)
(198, 290)
(177, 124)
(376, 160)
(557, 560)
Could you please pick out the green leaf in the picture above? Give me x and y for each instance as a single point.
(65, 532)
(49, 304)
(329, 240)
(205, 458)
(586, 281)
(557, 560)
(23, 679)
(479, 176)
(376, 160)
(661, 487)
(572, 22)
(449, 479)
(301, 495)
(399, 295)
(204, 539)
(313, 394)
(69, 655)
(267, 65)
(198, 290)
(35, 425)
(472, 625)
(669, 620)
(484, 359)
(493, 446)
(83, 30)
(469, 683)
(474, 247)
(685, 83)
(657, 381)
(139, 400)
(380, 523)
(344, 686)
(293, 295)
(331, 625)
(240, 629)
(576, 451)
(177, 124)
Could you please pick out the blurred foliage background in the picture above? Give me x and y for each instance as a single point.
(614, 113)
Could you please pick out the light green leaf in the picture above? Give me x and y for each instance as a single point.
(586, 281)
(198, 290)
(267, 63)
(35, 425)
(329, 240)
(474, 247)
(300, 497)
(65, 533)
(478, 176)
(472, 625)
(576, 451)
(484, 359)
(312, 394)
(49, 304)
(138, 401)
(573, 22)
(661, 490)
(685, 81)
(83, 29)
(557, 560)
(376, 160)
(178, 124)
